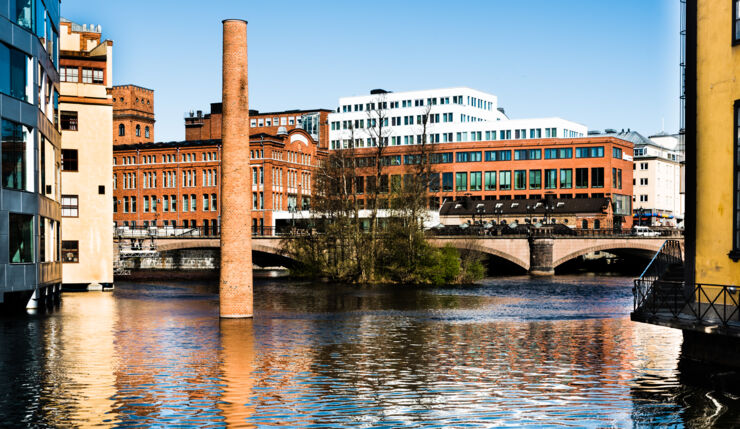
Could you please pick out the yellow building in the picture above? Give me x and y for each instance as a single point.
(86, 121)
(712, 111)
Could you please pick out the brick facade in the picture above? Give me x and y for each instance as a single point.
(283, 166)
(605, 163)
(133, 106)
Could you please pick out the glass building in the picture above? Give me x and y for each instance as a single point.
(30, 268)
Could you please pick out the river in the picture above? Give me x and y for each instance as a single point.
(510, 351)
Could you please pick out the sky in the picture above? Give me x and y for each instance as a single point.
(602, 64)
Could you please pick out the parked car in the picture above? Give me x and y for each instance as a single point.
(643, 231)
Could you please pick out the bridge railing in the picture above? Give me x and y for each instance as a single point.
(560, 231)
(147, 232)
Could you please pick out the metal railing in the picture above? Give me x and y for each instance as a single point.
(653, 291)
(705, 303)
(147, 232)
(559, 230)
(661, 293)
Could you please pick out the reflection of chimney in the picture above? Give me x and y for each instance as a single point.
(236, 240)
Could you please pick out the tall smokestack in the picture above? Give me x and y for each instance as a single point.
(236, 240)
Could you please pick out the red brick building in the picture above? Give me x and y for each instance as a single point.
(177, 183)
(133, 114)
(585, 167)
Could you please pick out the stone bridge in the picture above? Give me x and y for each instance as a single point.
(537, 255)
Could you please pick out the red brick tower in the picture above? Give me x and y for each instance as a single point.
(236, 239)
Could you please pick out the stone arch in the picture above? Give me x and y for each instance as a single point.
(177, 244)
(649, 246)
(269, 246)
(473, 244)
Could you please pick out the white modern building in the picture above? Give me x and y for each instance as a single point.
(657, 194)
(455, 115)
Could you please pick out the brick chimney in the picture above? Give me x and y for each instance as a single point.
(235, 287)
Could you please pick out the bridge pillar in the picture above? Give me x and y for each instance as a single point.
(235, 287)
(541, 256)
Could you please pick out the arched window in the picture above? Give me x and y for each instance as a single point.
(138, 131)
(584, 224)
(597, 224)
(146, 132)
(121, 130)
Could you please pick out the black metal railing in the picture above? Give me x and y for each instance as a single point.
(661, 293)
(660, 286)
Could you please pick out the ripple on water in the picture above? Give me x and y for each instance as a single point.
(508, 352)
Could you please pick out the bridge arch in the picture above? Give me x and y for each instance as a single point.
(648, 246)
(264, 249)
(489, 246)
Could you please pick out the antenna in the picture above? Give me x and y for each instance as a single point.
(662, 125)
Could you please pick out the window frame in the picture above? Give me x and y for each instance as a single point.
(76, 253)
(76, 161)
(735, 21)
(734, 254)
(75, 208)
(74, 124)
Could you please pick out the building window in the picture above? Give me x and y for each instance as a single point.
(20, 238)
(68, 121)
(121, 130)
(566, 178)
(590, 152)
(14, 80)
(490, 178)
(735, 252)
(70, 206)
(735, 22)
(475, 180)
(520, 179)
(70, 251)
(551, 178)
(17, 153)
(597, 177)
(581, 177)
(69, 160)
(504, 180)
(447, 185)
(87, 75)
(535, 179)
(461, 182)
(617, 178)
(97, 76)
(559, 153)
(138, 131)
(146, 132)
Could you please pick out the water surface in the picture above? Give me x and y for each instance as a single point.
(512, 351)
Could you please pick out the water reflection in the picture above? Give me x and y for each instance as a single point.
(512, 351)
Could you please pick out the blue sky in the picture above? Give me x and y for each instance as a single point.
(603, 64)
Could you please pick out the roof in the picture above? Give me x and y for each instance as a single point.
(255, 137)
(131, 84)
(469, 207)
(629, 135)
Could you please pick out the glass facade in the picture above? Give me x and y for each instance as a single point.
(29, 145)
(20, 238)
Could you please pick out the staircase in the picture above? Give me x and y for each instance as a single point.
(666, 295)
(660, 289)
